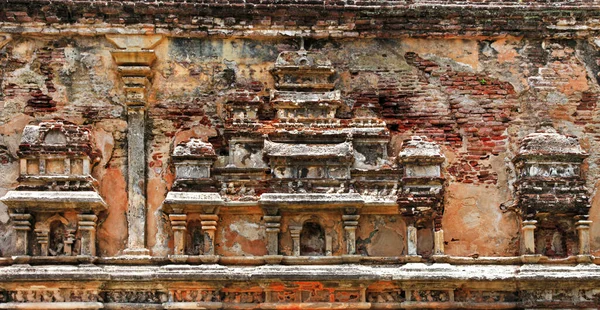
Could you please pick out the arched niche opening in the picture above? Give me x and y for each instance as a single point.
(556, 239)
(312, 240)
(56, 238)
(195, 238)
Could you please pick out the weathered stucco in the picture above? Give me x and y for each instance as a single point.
(386, 135)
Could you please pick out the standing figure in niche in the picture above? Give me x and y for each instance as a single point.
(58, 235)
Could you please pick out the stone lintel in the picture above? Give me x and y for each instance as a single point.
(307, 200)
(207, 203)
(135, 41)
(54, 201)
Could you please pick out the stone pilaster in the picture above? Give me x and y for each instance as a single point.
(136, 182)
(583, 231)
(178, 225)
(528, 229)
(209, 227)
(134, 58)
(41, 236)
(87, 228)
(273, 227)
(69, 242)
(22, 226)
(438, 242)
(350, 225)
(295, 232)
(411, 232)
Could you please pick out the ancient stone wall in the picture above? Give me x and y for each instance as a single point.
(196, 140)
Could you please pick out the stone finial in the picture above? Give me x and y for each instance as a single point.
(303, 70)
(56, 136)
(418, 150)
(547, 142)
(194, 148)
(193, 159)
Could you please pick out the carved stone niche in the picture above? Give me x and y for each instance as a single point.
(303, 70)
(308, 234)
(309, 161)
(551, 195)
(304, 95)
(57, 190)
(242, 110)
(421, 198)
(193, 203)
(193, 160)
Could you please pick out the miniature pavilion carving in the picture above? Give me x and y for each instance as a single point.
(299, 155)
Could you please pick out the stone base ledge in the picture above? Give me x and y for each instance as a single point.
(52, 305)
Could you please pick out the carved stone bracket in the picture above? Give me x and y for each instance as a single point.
(134, 57)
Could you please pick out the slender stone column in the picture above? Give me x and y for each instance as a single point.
(87, 228)
(178, 224)
(583, 229)
(136, 181)
(411, 239)
(438, 242)
(134, 58)
(528, 237)
(69, 242)
(22, 225)
(273, 227)
(209, 227)
(41, 235)
(295, 232)
(350, 225)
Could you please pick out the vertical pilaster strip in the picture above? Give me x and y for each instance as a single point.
(583, 229)
(178, 224)
(350, 225)
(209, 227)
(136, 181)
(134, 58)
(41, 236)
(438, 242)
(273, 227)
(295, 232)
(528, 237)
(22, 224)
(411, 240)
(87, 228)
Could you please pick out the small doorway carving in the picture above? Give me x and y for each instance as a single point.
(195, 238)
(312, 240)
(57, 238)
